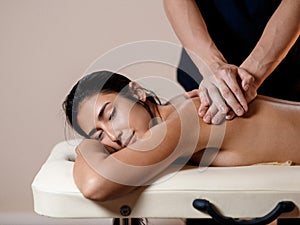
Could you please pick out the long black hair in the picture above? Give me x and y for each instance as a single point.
(101, 82)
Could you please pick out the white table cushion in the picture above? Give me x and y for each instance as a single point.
(250, 191)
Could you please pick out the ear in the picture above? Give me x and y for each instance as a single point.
(137, 91)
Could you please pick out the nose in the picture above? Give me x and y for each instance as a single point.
(113, 134)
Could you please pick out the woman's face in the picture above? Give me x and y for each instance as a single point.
(113, 119)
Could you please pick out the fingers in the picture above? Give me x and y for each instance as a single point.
(192, 94)
(216, 102)
(230, 115)
(204, 102)
(249, 84)
(214, 115)
(251, 94)
(247, 78)
(217, 110)
(225, 79)
(229, 88)
(233, 96)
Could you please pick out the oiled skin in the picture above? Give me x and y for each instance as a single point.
(268, 132)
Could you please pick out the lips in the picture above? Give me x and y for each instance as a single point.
(130, 140)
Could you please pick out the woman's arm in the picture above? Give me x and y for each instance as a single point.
(88, 181)
(102, 177)
(280, 33)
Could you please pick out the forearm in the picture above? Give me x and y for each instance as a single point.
(219, 90)
(191, 30)
(100, 176)
(279, 35)
(90, 183)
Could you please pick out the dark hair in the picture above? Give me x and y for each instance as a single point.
(100, 82)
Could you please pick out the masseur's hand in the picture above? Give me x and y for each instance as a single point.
(249, 86)
(225, 94)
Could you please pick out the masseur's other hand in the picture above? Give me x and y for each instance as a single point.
(249, 86)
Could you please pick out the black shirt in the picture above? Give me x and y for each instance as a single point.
(236, 26)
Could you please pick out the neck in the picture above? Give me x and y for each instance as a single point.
(161, 112)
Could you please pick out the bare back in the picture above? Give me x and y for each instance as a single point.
(269, 132)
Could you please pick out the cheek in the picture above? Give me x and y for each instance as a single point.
(132, 116)
(122, 117)
(139, 119)
(121, 121)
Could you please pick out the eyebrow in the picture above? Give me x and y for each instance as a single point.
(94, 130)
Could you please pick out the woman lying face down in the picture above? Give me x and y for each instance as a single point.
(125, 128)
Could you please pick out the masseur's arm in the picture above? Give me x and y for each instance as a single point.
(219, 77)
(279, 35)
(100, 176)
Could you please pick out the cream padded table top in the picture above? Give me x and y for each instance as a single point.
(238, 192)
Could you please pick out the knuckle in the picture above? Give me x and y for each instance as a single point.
(204, 105)
(206, 102)
(228, 72)
(218, 118)
(223, 109)
(235, 90)
(203, 87)
(211, 90)
(225, 93)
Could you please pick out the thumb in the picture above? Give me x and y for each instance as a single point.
(251, 94)
(246, 77)
(193, 93)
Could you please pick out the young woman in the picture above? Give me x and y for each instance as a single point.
(130, 138)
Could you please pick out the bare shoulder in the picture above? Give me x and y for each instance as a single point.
(180, 106)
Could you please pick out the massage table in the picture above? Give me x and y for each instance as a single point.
(255, 194)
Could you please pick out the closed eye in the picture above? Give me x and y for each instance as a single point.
(112, 114)
(100, 135)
